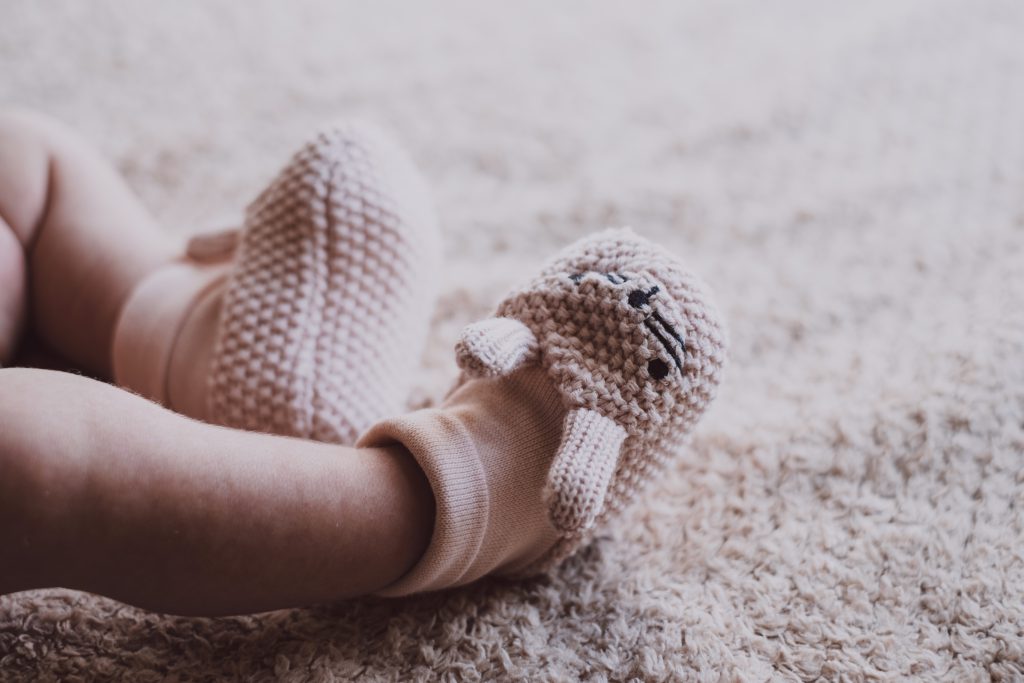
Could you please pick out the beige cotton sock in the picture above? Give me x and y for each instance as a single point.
(572, 398)
(309, 321)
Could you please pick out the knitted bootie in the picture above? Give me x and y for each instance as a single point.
(573, 397)
(308, 322)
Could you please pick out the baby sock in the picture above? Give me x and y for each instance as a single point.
(309, 321)
(580, 389)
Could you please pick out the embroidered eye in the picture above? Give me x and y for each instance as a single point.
(657, 368)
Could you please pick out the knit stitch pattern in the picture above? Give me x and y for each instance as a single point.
(577, 483)
(494, 347)
(327, 306)
(628, 334)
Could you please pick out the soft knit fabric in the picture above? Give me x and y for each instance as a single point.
(569, 403)
(485, 453)
(322, 314)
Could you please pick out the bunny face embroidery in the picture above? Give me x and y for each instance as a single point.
(634, 347)
(616, 338)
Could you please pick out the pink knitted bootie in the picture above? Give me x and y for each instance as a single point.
(310, 320)
(574, 396)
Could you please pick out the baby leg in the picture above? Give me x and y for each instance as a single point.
(73, 237)
(103, 491)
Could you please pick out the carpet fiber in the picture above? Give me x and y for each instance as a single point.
(848, 176)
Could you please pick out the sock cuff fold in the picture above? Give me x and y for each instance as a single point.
(448, 457)
(141, 349)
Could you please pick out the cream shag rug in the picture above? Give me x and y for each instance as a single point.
(848, 176)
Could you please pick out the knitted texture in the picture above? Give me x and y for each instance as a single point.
(570, 400)
(494, 347)
(485, 453)
(326, 310)
(624, 331)
(579, 478)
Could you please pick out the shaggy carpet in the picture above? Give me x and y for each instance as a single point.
(848, 176)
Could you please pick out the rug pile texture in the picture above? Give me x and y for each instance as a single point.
(848, 176)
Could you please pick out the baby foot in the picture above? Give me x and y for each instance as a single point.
(310, 321)
(572, 398)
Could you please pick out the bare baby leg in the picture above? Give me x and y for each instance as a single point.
(103, 491)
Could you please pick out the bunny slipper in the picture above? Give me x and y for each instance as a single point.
(571, 398)
(308, 322)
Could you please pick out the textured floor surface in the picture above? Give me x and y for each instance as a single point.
(849, 177)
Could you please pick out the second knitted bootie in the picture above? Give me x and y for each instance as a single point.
(309, 321)
(572, 397)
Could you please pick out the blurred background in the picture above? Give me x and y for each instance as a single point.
(849, 177)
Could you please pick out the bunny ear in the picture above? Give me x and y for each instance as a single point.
(495, 346)
(582, 470)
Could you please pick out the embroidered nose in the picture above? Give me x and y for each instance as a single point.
(638, 298)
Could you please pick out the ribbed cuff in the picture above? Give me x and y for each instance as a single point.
(142, 346)
(448, 457)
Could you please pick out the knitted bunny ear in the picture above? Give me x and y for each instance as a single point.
(582, 470)
(494, 347)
